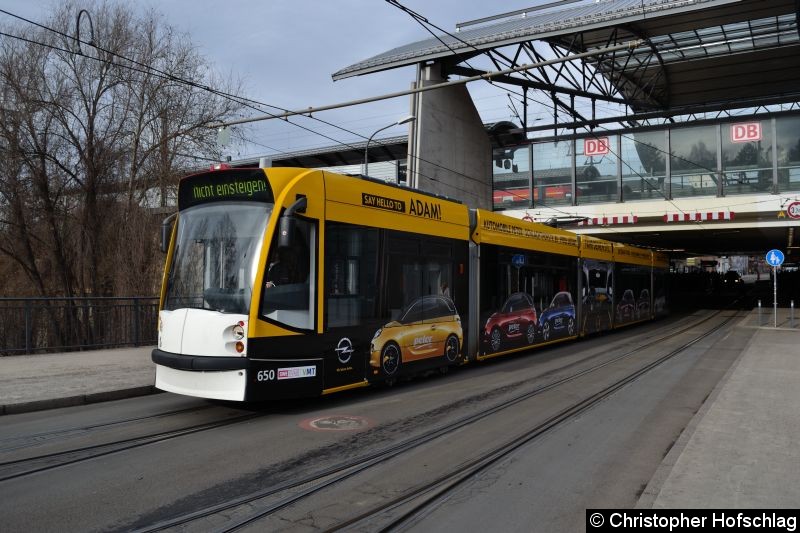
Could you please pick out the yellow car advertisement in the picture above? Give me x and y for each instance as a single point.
(428, 327)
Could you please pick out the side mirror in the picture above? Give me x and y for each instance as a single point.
(166, 232)
(287, 222)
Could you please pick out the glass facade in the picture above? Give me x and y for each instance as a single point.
(788, 153)
(747, 157)
(756, 156)
(552, 173)
(644, 166)
(512, 178)
(693, 160)
(596, 169)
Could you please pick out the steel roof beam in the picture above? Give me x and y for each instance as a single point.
(666, 114)
(521, 82)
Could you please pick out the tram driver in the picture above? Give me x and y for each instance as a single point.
(284, 269)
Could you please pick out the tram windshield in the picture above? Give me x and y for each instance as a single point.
(217, 249)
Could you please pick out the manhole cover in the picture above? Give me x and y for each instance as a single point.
(336, 423)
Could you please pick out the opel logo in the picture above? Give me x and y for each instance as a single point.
(344, 350)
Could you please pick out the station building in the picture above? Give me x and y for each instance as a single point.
(669, 124)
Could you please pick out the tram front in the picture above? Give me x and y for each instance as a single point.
(212, 294)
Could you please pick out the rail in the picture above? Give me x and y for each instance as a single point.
(39, 325)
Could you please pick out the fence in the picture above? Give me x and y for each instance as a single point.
(32, 325)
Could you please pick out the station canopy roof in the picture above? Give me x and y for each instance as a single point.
(696, 53)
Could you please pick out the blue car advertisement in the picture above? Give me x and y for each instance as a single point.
(527, 298)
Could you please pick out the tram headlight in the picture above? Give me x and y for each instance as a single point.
(238, 332)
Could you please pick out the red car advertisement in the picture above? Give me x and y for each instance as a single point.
(513, 324)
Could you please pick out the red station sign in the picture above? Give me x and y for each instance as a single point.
(746, 132)
(598, 146)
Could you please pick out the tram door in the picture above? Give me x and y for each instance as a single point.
(596, 295)
(420, 293)
(545, 284)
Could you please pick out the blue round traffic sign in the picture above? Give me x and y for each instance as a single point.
(775, 258)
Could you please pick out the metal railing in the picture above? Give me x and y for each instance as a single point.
(36, 325)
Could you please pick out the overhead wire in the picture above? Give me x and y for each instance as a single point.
(246, 102)
(149, 69)
(423, 20)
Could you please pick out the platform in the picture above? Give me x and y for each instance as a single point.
(48, 381)
(740, 450)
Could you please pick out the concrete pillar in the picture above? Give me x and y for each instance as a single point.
(450, 152)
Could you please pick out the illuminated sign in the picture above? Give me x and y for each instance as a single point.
(225, 185)
(227, 190)
(746, 132)
(598, 146)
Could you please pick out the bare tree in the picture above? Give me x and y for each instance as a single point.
(94, 136)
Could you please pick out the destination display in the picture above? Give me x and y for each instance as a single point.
(232, 185)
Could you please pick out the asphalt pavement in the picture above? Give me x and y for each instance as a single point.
(739, 451)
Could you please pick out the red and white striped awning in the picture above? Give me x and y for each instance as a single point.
(606, 221)
(699, 216)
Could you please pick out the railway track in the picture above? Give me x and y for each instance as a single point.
(254, 507)
(26, 466)
(37, 439)
(18, 468)
(425, 497)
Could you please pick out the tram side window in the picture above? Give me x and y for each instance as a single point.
(536, 276)
(411, 278)
(417, 267)
(351, 274)
(289, 295)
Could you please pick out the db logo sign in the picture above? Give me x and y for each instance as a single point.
(793, 210)
(599, 146)
(745, 132)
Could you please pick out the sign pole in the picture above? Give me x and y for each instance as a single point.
(775, 259)
(775, 293)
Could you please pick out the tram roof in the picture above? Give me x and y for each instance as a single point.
(712, 50)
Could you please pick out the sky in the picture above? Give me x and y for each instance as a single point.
(285, 52)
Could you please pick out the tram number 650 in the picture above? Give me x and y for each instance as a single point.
(265, 375)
